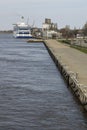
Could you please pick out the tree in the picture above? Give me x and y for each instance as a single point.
(75, 32)
(85, 29)
(67, 32)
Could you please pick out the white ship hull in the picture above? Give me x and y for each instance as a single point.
(17, 35)
(22, 30)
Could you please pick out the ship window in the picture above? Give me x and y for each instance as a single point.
(23, 28)
(26, 32)
(21, 33)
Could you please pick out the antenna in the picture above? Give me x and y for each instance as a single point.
(27, 20)
(22, 18)
(33, 24)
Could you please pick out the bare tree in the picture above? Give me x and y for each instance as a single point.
(85, 29)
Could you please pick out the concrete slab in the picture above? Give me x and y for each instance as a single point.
(75, 60)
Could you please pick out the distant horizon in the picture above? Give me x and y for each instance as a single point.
(53, 21)
(11, 29)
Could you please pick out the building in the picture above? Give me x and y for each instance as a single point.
(36, 32)
(49, 29)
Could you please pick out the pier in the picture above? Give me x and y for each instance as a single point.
(72, 65)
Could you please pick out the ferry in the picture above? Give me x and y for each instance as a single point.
(22, 30)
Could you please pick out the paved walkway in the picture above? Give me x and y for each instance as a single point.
(74, 59)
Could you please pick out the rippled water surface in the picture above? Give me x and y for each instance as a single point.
(33, 95)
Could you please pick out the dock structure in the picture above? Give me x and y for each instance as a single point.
(35, 40)
(72, 65)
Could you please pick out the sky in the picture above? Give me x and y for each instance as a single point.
(62, 12)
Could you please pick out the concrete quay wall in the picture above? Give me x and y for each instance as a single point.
(69, 76)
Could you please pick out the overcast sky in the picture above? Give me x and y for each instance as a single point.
(62, 12)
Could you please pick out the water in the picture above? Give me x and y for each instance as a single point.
(33, 95)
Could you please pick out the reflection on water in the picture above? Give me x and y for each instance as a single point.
(33, 96)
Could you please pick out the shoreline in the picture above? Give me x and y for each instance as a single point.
(74, 79)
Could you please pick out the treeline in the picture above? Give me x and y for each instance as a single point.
(72, 33)
(6, 31)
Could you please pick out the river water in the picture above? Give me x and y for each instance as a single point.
(33, 95)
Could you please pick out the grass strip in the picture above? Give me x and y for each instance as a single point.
(80, 48)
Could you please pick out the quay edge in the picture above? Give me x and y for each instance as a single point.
(70, 77)
(35, 40)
